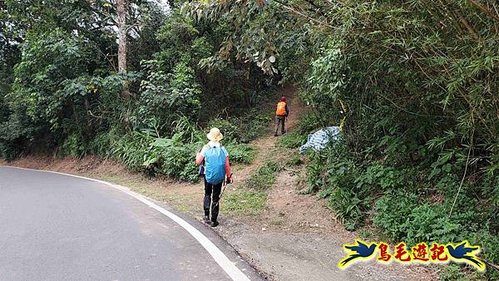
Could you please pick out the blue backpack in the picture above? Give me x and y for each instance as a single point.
(215, 165)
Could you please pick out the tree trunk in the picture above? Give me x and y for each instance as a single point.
(122, 7)
(121, 10)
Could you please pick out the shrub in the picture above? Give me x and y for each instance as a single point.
(101, 144)
(453, 273)
(490, 251)
(310, 122)
(430, 222)
(240, 153)
(16, 131)
(172, 157)
(332, 174)
(391, 212)
(254, 124)
(244, 128)
(379, 178)
(228, 128)
(407, 216)
(349, 206)
(133, 149)
(178, 163)
(74, 145)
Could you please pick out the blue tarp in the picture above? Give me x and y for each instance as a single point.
(319, 140)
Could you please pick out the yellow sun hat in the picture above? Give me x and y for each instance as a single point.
(215, 135)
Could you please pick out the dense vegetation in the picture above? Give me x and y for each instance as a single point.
(415, 81)
(61, 92)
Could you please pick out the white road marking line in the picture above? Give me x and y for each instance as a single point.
(229, 267)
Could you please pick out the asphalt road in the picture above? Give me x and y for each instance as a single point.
(56, 227)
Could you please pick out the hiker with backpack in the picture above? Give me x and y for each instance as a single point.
(214, 158)
(281, 114)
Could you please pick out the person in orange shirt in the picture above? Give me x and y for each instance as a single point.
(281, 114)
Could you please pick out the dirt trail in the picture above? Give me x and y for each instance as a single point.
(265, 146)
(286, 209)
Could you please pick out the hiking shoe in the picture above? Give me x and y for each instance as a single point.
(214, 223)
(206, 219)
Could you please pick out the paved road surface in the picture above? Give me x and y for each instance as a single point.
(56, 227)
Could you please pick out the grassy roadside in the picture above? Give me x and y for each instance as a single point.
(244, 203)
(250, 199)
(159, 190)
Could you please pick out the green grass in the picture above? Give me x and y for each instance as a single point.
(291, 140)
(264, 177)
(295, 160)
(244, 202)
(251, 199)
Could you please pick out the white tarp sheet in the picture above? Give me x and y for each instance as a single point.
(319, 140)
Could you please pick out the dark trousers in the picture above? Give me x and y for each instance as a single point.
(279, 120)
(211, 197)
